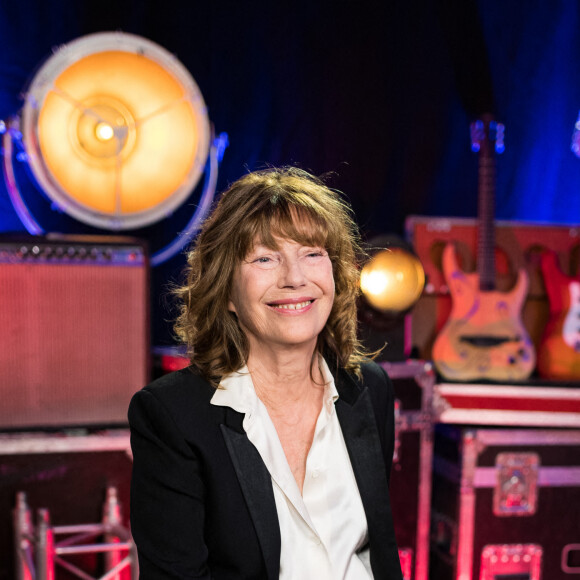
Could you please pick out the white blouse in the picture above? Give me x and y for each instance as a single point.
(323, 530)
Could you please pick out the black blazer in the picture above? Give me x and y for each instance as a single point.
(202, 503)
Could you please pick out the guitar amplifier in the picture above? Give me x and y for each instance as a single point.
(517, 245)
(74, 330)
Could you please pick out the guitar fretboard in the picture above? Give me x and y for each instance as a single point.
(484, 136)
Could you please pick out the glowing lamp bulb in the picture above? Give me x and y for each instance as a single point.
(104, 132)
(376, 283)
(392, 280)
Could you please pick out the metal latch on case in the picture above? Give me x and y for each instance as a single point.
(516, 489)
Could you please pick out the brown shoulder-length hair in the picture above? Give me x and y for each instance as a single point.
(260, 206)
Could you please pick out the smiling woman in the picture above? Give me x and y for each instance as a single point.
(278, 439)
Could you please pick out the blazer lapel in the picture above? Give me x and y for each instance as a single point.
(357, 420)
(256, 485)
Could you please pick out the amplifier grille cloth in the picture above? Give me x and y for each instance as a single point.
(73, 342)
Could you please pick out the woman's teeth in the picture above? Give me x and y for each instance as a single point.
(293, 306)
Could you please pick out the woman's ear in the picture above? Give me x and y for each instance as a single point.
(232, 306)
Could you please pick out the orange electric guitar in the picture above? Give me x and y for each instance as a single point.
(559, 352)
(484, 337)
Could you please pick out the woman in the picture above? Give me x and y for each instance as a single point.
(269, 456)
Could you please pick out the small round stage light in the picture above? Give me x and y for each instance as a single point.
(392, 280)
(116, 130)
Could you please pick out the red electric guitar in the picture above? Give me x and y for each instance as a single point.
(484, 337)
(559, 352)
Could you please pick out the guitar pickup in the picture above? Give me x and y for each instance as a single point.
(488, 341)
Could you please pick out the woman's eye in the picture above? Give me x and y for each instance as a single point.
(265, 261)
(316, 253)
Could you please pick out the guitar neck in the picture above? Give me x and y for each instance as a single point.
(486, 223)
(486, 203)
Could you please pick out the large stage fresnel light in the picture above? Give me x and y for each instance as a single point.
(116, 133)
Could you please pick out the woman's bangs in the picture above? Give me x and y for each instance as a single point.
(294, 223)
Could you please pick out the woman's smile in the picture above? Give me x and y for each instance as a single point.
(291, 305)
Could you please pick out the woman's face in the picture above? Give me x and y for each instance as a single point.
(283, 297)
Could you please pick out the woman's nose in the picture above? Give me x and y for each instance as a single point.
(291, 274)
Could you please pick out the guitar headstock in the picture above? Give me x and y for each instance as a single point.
(487, 130)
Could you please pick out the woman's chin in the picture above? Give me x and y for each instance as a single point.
(288, 342)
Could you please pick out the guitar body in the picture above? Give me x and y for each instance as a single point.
(483, 337)
(559, 352)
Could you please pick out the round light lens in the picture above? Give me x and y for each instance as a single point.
(116, 130)
(392, 280)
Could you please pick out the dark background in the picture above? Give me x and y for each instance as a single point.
(378, 94)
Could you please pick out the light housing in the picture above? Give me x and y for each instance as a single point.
(115, 130)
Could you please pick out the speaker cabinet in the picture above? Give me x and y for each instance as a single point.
(74, 330)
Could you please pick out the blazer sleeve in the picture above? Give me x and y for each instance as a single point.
(383, 398)
(167, 495)
(389, 425)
